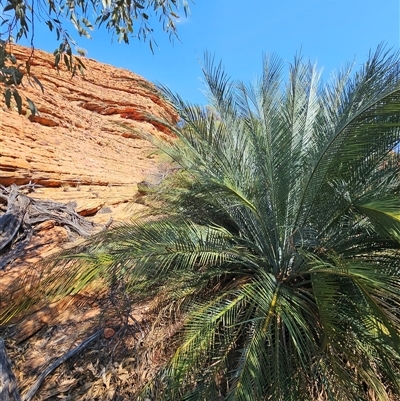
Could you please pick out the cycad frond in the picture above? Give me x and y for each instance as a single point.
(280, 236)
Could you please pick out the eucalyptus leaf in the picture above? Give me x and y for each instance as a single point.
(18, 100)
(32, 107)
(7, 96)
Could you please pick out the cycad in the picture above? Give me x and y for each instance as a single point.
(281, 244)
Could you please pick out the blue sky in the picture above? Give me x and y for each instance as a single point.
(329, 32)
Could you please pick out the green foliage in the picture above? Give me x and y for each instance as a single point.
(124, 19)
(81, 52)
(11, 77)
(121, 18)
(277, 244)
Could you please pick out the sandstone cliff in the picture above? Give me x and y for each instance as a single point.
(76, 138)
(77, 143)
(82, 146)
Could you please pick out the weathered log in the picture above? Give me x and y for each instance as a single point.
(23, 213)
(8, 383)
(11, 221)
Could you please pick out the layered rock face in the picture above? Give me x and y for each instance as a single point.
(83, 146)
(78, 138)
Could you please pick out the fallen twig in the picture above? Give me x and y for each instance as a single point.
(35, 387)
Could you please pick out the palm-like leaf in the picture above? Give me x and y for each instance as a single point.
(307, 182)
(281, 245)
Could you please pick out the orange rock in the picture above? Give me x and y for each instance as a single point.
(13, 164)
(83, 146)
(77, 136)
(108, 332)
(89, 209)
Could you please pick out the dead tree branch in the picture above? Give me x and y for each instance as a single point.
(23, 213)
